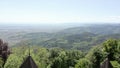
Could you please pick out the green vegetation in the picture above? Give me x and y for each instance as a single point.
(83, 63)
(80, 38)
(83, 41)
(79, 47)
(61, 58)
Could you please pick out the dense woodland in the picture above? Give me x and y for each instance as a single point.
(62, 58)
(79, 47)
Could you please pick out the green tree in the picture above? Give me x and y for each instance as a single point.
(117, 54)
(1, 62)
(13, 61)
(83, 63)
(96, 55)
(110, 47)
(73, 57)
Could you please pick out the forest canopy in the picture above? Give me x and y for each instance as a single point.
(62, 58)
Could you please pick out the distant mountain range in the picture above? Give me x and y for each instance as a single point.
(81, 38)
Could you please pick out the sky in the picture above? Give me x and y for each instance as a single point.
(59, 11)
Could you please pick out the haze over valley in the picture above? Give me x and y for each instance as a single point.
(78, 36)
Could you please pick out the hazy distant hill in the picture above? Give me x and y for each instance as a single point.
(14, 33)
(96, 29)
(82, 38)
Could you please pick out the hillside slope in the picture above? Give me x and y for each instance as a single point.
(81, 38)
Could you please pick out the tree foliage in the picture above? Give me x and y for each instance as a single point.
(83, 63)
(110, 47)
(63, 58)
(4, 51)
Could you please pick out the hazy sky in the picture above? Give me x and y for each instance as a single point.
(59, 11)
